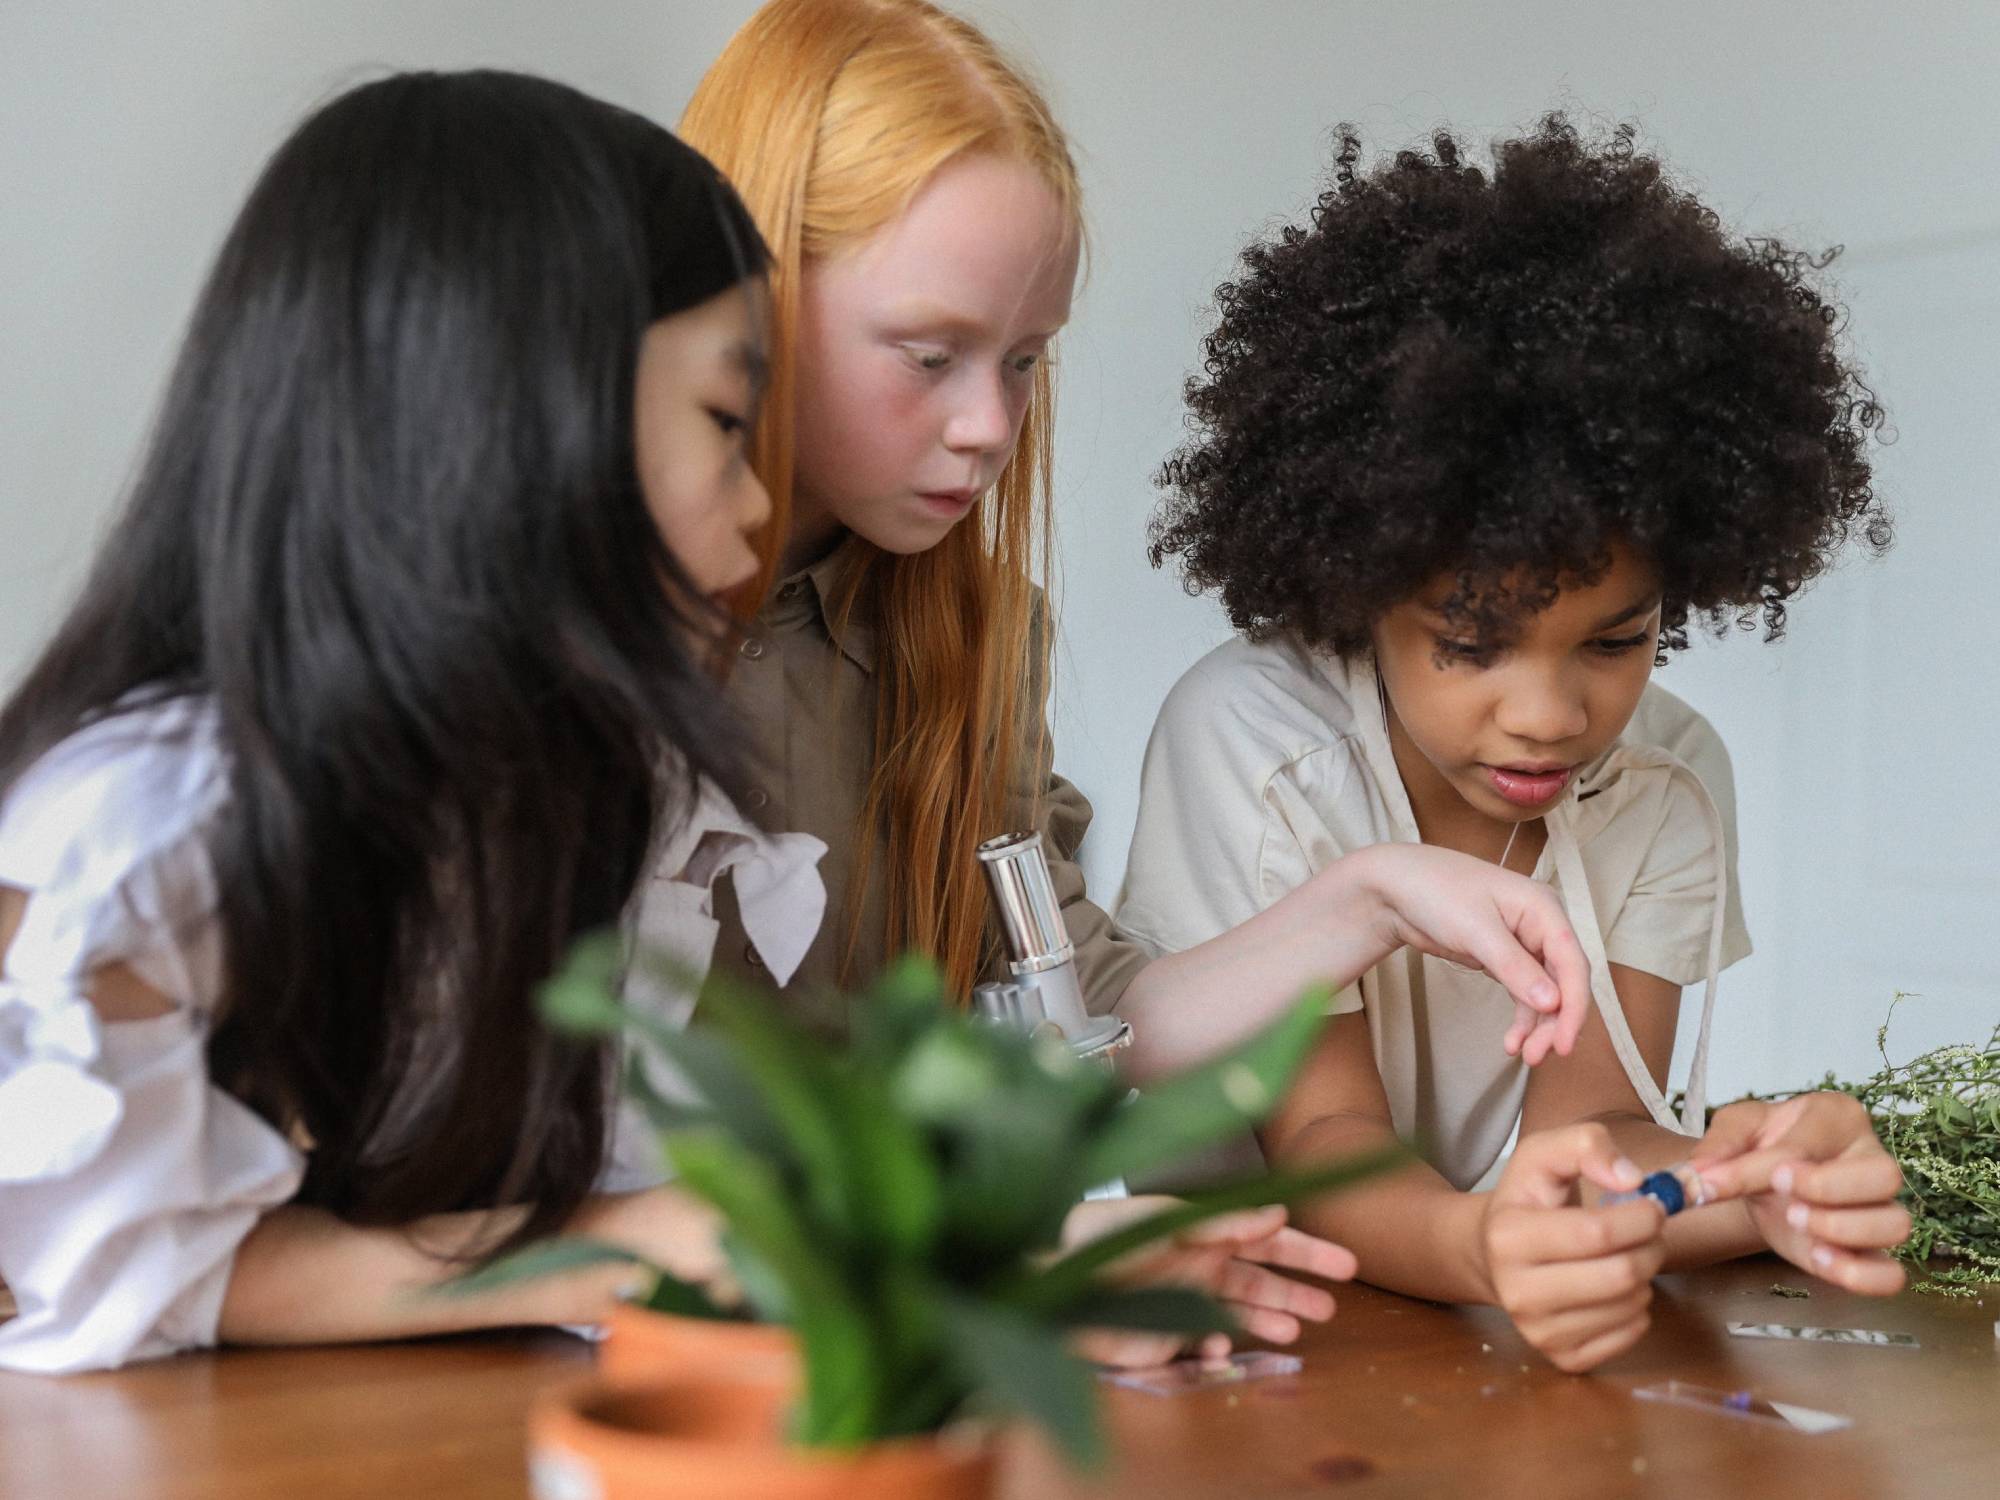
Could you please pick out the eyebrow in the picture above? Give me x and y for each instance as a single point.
(1632, 612)
(1610, 622)
(928, 316)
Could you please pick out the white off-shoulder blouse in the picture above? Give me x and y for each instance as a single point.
(127, 1178)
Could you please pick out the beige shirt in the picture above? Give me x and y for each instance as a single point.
(1269, 762)
(809, 701)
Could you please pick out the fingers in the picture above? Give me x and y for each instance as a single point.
(1875, 1228)
(1246, 1288)
(1810, 1127)
(1266, 1323)
(1572, 1323)
(1571, 1239)
(1731, 1133)
(1129, 1351)
(1868, 1273)
(1548, 1164)
(1261, 1235)
(1244, 1226)
(1543, 928)
(1295, 1250)
(1540, 1288)
(1551, 993)
(1575, 1335)
(1609, 1344)
(1544, 1038)
(1866, 1177)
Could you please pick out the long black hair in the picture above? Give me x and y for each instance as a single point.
(390, 523)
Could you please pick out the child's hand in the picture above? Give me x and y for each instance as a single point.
(1818, 1185)
(1229, 1257)
(1576, 1281)
(1455, 907)
(672, 1228)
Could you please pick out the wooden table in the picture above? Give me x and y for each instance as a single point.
(1398, 1398)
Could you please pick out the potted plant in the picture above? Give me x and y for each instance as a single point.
(895, 1203)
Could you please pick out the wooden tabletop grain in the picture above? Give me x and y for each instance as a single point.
(1397, 1398)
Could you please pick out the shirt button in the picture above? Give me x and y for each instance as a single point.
(757, 797)
(752, 648)
(752, 957)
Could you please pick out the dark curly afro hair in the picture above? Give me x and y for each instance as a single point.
(1499, 379)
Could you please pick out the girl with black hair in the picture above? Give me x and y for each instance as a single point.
(391, 680)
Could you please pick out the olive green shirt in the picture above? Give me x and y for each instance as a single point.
(809, 702)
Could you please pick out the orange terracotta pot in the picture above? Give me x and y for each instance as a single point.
(696, 1437)
(642, 1345)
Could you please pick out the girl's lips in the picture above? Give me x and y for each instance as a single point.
(953, 503)
(1528, 788)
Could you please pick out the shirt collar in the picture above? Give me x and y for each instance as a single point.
(811, 594)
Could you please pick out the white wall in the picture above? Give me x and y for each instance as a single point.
(1864, 744)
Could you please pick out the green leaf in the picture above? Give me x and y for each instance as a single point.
(791, 1076)
(1147, 1309)
(1171, 1120)
(946, 1076)
(910, 985)
(711, 1067)
(1005, 1146)
(763, 1291)
(582, 997)
(662, 1113)
(1020, 1365)
(843, 1381)
(542, 1258)
(683, 1299)
(897, 1195)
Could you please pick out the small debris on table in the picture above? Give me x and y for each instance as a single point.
(1341, 1468)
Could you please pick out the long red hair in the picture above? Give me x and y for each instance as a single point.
(829, 116)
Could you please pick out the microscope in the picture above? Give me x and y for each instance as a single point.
(1041, 996)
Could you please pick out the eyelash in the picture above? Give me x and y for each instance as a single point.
(932, 361)
(731, 424)
(1471, 653)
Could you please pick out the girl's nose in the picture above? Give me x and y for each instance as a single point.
(1542, 709)
(982, 421)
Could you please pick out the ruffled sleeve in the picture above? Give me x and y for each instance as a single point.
(781, 900)
(127, 1179)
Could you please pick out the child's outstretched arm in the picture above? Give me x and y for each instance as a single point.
(1342, 922)
(303, 1276)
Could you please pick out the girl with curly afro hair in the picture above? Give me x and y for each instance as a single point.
(1470, 452)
